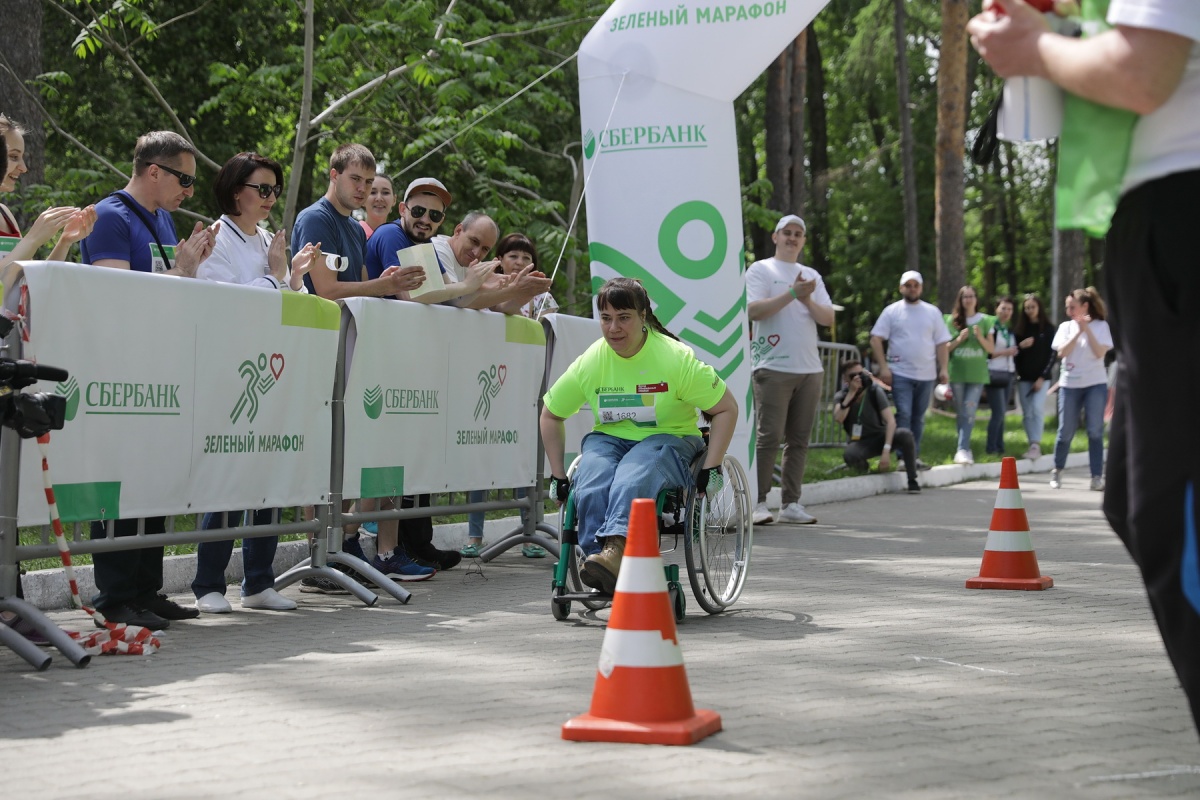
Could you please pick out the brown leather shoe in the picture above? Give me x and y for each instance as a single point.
(600, 571)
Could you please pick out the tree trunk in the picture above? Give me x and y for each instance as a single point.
(951, 126)
(576, 201)
(1008, 224)
(302, 127)
(776, 120)
(799, 183)
(818, 156)
(908, 162)
(1069, 248)
(22, 23)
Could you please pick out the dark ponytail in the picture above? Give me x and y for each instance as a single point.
(620, 294)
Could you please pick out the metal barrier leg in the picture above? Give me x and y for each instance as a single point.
(26, 649)
(373, 575)
(58, 638)
(318, 564)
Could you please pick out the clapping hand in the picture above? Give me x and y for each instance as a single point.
(79, 225)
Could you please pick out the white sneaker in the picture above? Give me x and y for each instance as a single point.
(1097, 483)
(1056, 479)
(1034, 452)
(213, 603)
(795, 513)
(268, 600)
(964, 457)
(763, 515)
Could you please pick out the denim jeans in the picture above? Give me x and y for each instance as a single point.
(1091, 399)
(614, 472)
(912, 400)
(966, 403)
(1033, 409)
(476, 518)
(998, 404)
(257, 555)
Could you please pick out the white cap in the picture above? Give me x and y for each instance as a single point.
(429, 186)
(911, 275)
(788, 220)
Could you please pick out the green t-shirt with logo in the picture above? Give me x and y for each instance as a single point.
(969, 361)
(656, 391)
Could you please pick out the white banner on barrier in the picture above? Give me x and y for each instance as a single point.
(572, 336)
(439, 399)
(183, 395)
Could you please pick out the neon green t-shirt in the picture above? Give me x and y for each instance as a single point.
(969, 361)
(656, 391)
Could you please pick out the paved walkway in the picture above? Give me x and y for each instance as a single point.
(856, 665)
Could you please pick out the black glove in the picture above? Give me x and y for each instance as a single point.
(710, 479)
(560, 488)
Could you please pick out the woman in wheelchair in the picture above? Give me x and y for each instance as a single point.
(643, 386)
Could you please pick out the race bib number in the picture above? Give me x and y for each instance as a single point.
(635, 408)
(157, 262)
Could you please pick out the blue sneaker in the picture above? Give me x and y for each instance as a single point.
(370, 529)
(351, 547)
(399, 567)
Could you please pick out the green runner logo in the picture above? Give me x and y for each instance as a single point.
(259, 381)
(373, 402)
(491, 380)
(70, 390)
(761, 346)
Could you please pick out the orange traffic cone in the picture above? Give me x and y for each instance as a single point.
(641, 693)
(1008, 558)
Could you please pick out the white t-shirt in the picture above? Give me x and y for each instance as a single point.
(913, 331)
(1005, 338)
(238, 258)
(1081, 368)
(787, 340)
(455, 271)
(1168, 140)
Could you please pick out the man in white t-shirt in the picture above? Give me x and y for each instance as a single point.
(917, 353)
(471, 241)
(786, 301)
(1149, 63)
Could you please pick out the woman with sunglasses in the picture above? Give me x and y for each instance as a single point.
(246, 189)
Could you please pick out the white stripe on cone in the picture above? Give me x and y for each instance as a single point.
(1009, 498)
(641, 575)
(1008, 541)
(637, 649)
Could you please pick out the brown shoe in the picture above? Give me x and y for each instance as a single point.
(600, 571)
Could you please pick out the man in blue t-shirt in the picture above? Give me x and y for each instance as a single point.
(328, 223)
(134, 231)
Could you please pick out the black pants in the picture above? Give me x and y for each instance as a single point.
(128, 576)
(857, 453)
(416, 535)
(1153, 268)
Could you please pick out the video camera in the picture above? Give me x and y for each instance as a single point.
(32, 414)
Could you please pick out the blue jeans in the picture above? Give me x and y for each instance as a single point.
(257, 555)
(912, 400)
(1091, 400)
(1033, 409)
(966, 403)
(476, 518)
(614, 472)
(998, 403)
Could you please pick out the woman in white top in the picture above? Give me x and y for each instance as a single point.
(247, 188)
(1081, 343)
(1002, 372)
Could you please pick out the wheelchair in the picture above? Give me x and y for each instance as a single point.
(717, 533)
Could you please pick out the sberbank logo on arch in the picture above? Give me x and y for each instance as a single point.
(651, 136)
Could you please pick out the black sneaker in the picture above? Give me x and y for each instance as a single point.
(320, 586)
(351, 547)
(429, 556)
(164, 607)
(914, 487)
(132, 616)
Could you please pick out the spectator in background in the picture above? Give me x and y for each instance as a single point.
(134, 230)
(870, 424)
(1002, 371)
(969, 349)
(467, 246)
(246, 189)
(1081, 343)
(380, 203)
(786, 301)
(1035, 363)
(917, 353)
(75, 223)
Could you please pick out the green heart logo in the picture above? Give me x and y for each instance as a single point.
(589, 144)
(373, 402)
(70, 390)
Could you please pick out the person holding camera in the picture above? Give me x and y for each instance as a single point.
(861, 407)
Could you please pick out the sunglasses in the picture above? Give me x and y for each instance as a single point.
(435, 216)
(185, 180)
(265, 190)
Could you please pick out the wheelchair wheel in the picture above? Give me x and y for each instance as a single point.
(720, 532)
(561, 609)
(575, 584)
